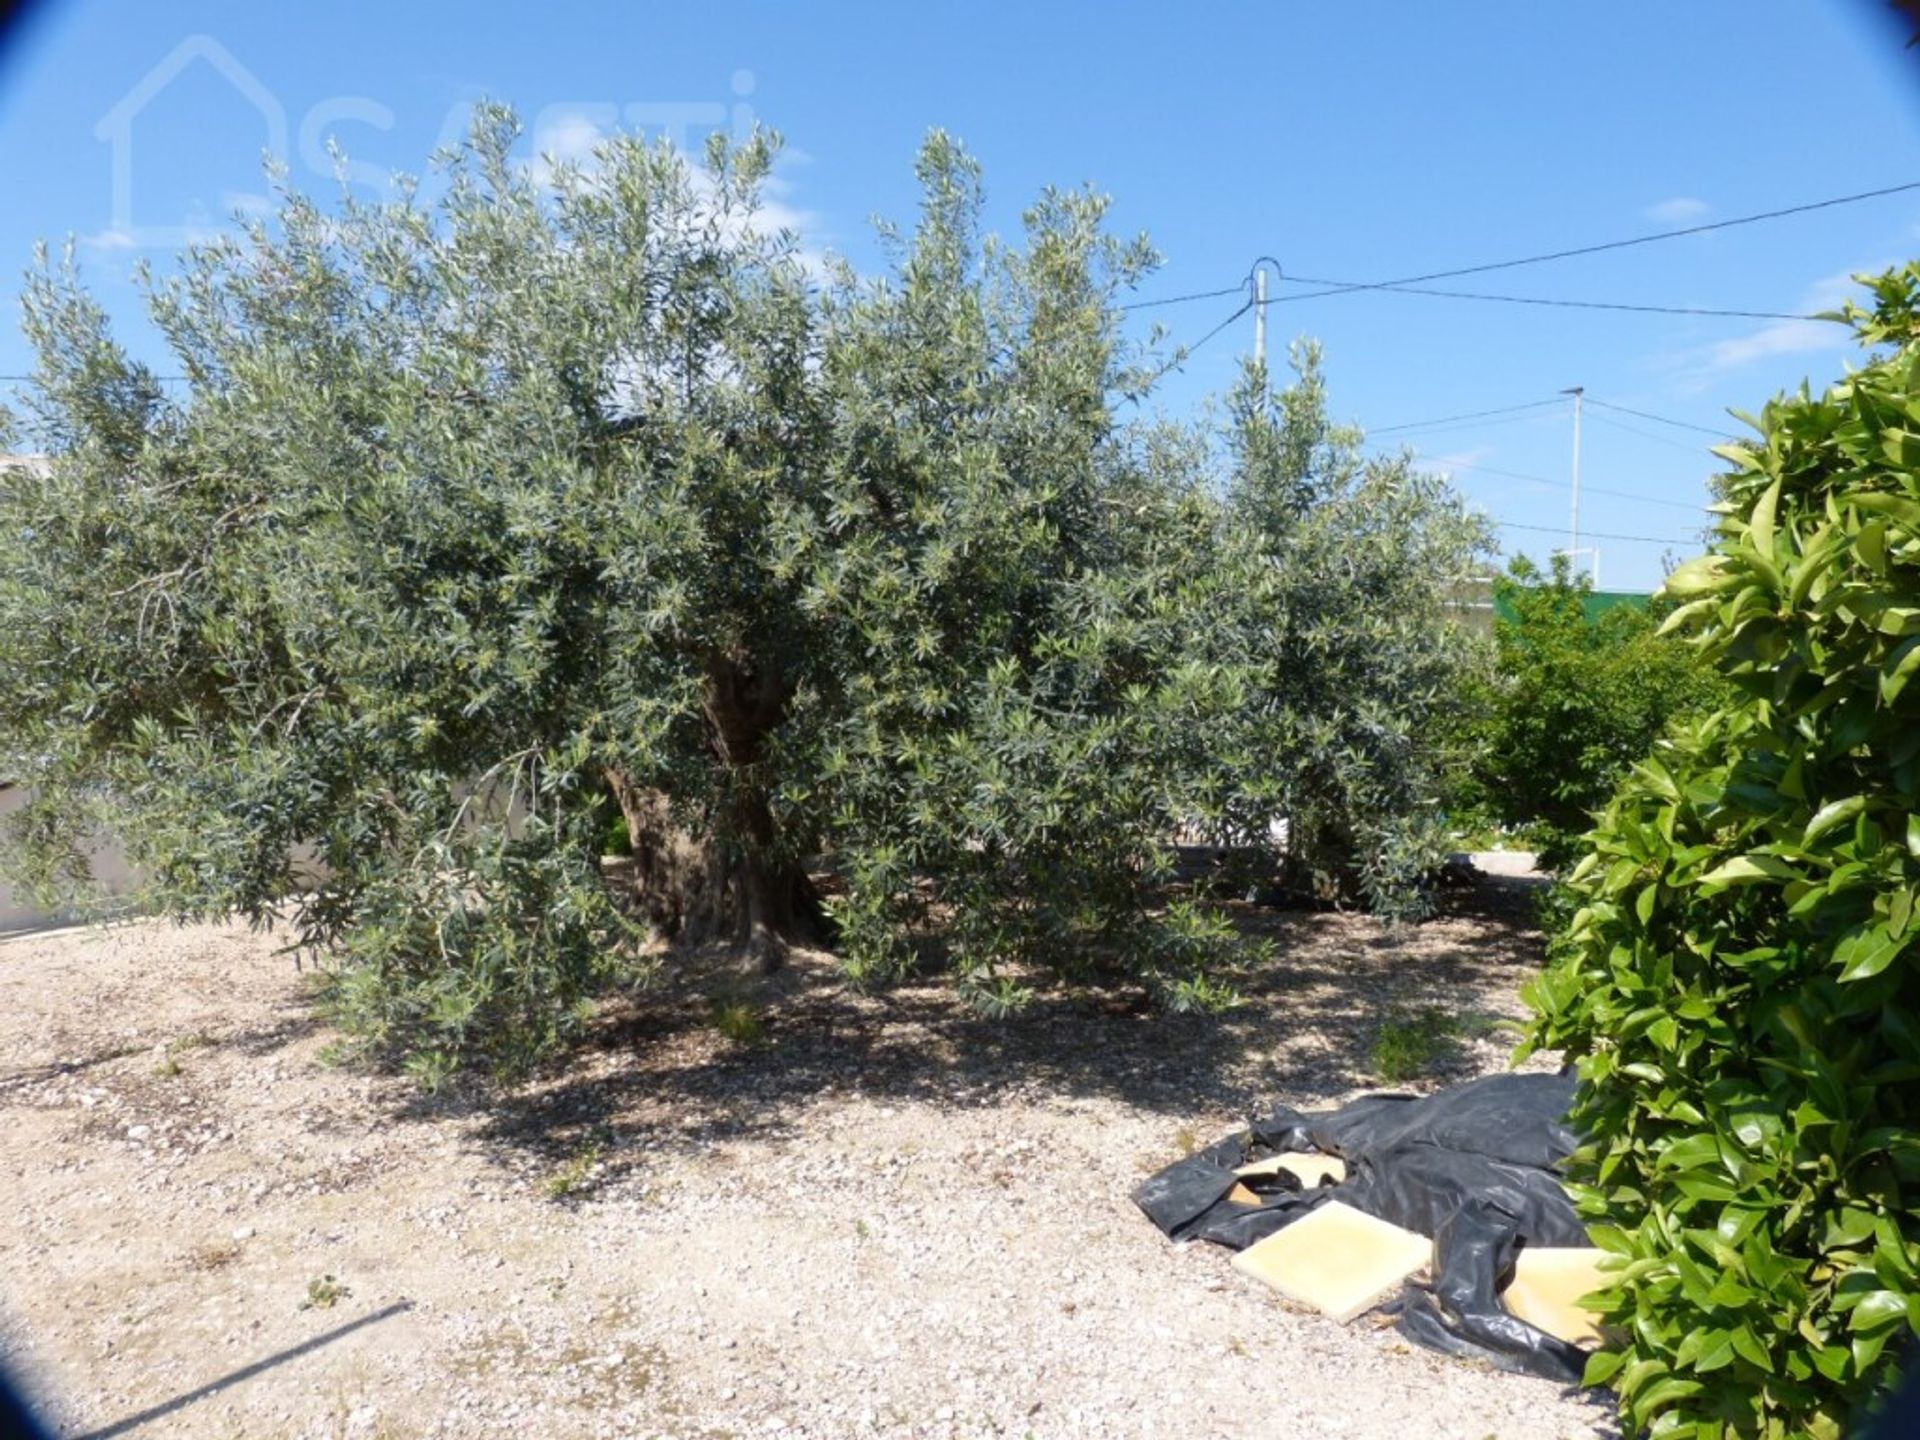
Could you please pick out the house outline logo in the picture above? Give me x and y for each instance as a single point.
(116, 128)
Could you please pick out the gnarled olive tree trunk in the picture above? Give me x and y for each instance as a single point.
(731, 884)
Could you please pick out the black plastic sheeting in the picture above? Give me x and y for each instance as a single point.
(1474, 1166)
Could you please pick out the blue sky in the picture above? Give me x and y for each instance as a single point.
(1353, 141)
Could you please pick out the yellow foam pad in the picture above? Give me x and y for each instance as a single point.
(1547, 1284)
(1310, 1167)
(1337, 1260)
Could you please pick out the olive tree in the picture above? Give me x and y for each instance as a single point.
(585, 492)
(1346, 564)
(474, 519)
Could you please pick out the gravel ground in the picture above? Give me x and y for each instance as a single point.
(887, 1217)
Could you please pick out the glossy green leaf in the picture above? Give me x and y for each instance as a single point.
(1866, 952)
(1749, 870)
(1834, 812)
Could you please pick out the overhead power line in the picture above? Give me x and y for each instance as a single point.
(1468, 415)
(1695, 449)
(1406, 282)
(1189, 350)
(1606, 245)
(1239, 289)
(1432, 434)
(1662, 419)
(1503, 410)
(1342, 286)
(1441, 462)
(1644, 499)
(162, 379)
(1598, 534)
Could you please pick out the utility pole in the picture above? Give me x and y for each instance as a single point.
(1260, 315)
(1258, 275)
(1573, 528)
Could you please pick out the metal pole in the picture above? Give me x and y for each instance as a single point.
(1260, 316)
(1573, 541)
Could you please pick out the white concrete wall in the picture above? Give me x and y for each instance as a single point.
(110, 869)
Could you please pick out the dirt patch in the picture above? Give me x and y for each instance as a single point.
(861, 1216)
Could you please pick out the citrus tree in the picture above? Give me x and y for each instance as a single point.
(1574, 700)
(1738, 986)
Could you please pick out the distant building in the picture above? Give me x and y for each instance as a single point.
(1470, 602)
(1476, 602)
(1595, 602)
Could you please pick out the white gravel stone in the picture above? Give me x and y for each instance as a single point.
(891, 1219)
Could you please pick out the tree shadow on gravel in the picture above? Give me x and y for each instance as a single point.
(60, 1069)
(295, 1023)
(656, 1074)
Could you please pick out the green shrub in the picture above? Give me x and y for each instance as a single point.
(1739, 984)
(739, 1022)
(1407, 1047)
(1577, 699)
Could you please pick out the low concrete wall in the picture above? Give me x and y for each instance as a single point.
(110, 871)
(114, 877)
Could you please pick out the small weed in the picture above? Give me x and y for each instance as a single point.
(1185, 1141)
(324, 1293)
(860, 1229)
(1411, 1046)
(215, 1256)
(344, 1053)
(572, 1177)
(739, 1022)
(169, 1066)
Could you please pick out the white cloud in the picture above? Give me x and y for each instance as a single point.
(1456, 459)
(1678, 211)
(570, 134)
(776, 213)
(246, 205)
(114, 245)
(1788, 337)
(567, 135)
